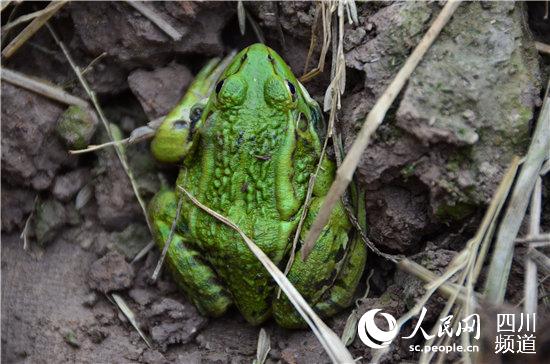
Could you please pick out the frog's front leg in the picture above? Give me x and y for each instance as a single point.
(329, 277)
(190, 272)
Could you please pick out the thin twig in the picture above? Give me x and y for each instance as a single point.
(25, 18)
(344, 174)
(541, 238)
(125, 309)
(105, 122)
(326, 15)
(332, 344)
(25, 232)
(156, 19)
(168, 240)
(143, 252)
(542, 47)
(91, 148)
(447, 289)
(32, 28)
(42, 88)
(497, 276)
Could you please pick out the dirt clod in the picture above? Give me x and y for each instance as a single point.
(67, 185)
(159, 90)
(111, 273)
(174, 322)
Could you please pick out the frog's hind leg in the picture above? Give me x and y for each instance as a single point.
(329, 277)
(341, 294)
(189, 270)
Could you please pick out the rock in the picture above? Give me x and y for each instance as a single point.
(154, 357)
(17, 204)
(172, 322)
(111, 273)
(76, 127)
(31, 156)
(159, 90)
(117, 205)
(397, 217)
(141, 296)
(464, 113)
(477, 99)
(50, 216)
(131, 240)
(97, 334)
(133, 40)
(90, 299)
(399, 27)
(66, 186)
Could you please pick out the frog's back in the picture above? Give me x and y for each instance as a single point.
(246, 140)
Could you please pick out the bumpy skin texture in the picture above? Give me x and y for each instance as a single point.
(249, 157)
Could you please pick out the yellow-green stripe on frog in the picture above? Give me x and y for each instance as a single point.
(249, 157)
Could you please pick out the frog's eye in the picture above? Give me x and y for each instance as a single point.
(279, 92)
(292, 90)
(231, 91)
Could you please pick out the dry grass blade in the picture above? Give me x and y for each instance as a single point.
(168, 240)
(541, 238)
(241, 15)
(4, 4)
(25, 232)
(542, 47)
(92, 148)
(530, 278)
(138, 135)
(334, 347)
(24, 18)
(326, 10)
(447, 289)
(497, 276)
(32, 28)
(469, 260)
(119, 301)
(156, 19)
(118, 149)
(264, 346)
(143, 252)
(42, 88)
(375, 117)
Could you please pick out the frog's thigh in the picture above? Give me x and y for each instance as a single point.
(189, 270)
(316, 278)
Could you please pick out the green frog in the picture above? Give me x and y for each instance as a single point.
(247, 152)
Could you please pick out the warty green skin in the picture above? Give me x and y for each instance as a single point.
(249, 157)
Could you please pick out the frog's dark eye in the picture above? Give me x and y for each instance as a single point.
(219, 86)
(291, 88)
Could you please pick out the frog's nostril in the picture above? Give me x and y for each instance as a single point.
(179, 124)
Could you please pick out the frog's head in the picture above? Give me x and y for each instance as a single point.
(258, 78)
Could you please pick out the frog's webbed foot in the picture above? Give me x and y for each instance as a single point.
(329, 277)
(192, 274)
